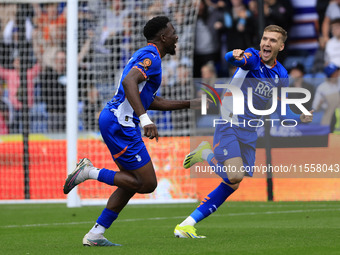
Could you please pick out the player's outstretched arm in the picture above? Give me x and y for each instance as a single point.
(248, 59)
(235, 57)
(162, 104)
(303, 118)
(238, 54)
(306, 118)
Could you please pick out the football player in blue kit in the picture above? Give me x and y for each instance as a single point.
(234, 142)
(119, 127)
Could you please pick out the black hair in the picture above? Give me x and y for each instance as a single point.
(154, 25)
(298, 66)
(335, 21)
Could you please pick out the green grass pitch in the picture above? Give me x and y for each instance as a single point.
(236, 228)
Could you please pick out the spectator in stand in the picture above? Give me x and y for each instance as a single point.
(296, 73)
(4, 113)
(180, 20)
(53, 92)
(110, 17)
(9, 34)
(208, 74)
(276, 12)
(156, 8)
(332, 49)
(12, 79)
(180, 120)
(7, 39)
(327, 96)
(89, 96)
(238, 25)
(51, 28)
(332, 12)
(321, 7)
(207, 46)
(53, 87)
(279, 12)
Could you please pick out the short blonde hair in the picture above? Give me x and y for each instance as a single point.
(277, 29)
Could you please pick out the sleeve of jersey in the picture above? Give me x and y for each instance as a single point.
(289, 113)
(250, 61)
(148, 65)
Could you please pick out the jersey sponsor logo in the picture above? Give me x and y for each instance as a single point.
(146, 63)
(264, 89)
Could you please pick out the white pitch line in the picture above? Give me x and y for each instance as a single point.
(168, 218)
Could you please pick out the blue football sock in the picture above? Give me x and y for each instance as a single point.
(212, 202)
(107, 217)
(220, 169)
(107, 176)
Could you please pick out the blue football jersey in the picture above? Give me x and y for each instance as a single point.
(262, 79)
(148, 61)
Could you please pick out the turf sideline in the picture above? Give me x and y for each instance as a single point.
(176, 217)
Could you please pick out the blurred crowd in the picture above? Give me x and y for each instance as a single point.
(109, 31)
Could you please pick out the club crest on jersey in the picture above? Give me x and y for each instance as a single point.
(139, 158)
(146, 63)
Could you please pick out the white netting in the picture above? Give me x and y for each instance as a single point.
(33, 35)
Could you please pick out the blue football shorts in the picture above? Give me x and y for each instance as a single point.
(125, 143)
(230, 142)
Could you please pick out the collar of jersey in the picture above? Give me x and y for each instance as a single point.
(266, 64)
(152, 44)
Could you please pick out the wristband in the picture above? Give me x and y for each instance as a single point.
(145, 120)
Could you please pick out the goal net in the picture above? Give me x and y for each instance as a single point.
(33, 93)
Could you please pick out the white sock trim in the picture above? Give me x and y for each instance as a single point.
(97, 229)
(188, 221)
(93, 174)
(206, 153)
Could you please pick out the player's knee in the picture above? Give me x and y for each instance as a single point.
(236, 178)
(148, 187)
(234, 186)
(135, 185)
(127, 181)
